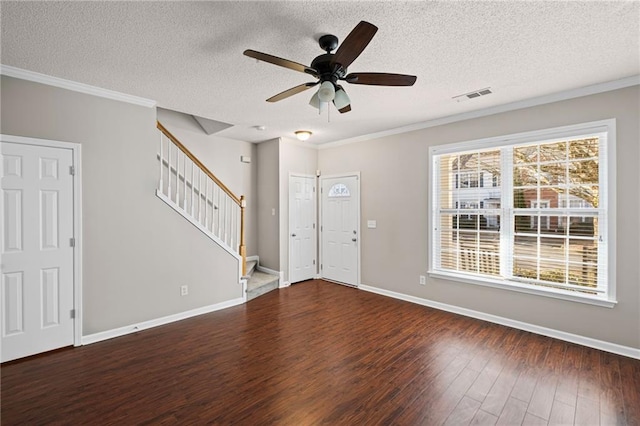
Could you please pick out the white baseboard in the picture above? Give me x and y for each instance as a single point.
(251, 258)
(117, 332)
(284, 284)
(549, 332)
(268, 271)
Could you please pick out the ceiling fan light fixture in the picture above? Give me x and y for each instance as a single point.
(341, 99)
(326, 92)
(303, 135)
(315, 101)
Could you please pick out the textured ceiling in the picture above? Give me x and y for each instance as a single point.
(188, 55)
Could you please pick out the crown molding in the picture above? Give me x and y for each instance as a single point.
(526, 103)
(36, 77)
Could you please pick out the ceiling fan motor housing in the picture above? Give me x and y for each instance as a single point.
(326, 70)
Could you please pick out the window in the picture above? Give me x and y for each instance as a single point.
(541, 226)
(339, 190)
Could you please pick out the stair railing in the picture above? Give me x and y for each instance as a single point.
(194, 191)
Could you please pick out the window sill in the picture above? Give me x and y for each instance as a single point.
(524, 288)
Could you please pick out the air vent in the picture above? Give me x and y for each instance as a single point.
(472, 95)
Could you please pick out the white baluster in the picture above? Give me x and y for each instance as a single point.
(224, 221)
(234, 240)
(199, 195)
(193, 189)
(230, 232)
(168, 169)
(184, 178)
(236, 248)
(160, 185)
(206, 203)
(177, 167)
(218, 211)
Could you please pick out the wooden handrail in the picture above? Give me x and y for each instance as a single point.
(202, 167)
(240, 201)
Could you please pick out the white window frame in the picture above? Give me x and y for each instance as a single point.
(607, 203)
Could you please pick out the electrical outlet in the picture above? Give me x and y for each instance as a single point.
(423, 280)
(184, 290)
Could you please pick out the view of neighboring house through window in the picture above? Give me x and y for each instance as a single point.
(529, 213)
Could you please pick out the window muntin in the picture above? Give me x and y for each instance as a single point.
(540, 223)
(339, 190)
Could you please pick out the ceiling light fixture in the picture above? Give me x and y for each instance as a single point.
(341, 99)
(314, 101)
(303, 135)
(326, 92)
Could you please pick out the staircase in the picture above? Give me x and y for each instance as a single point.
(259, 282)
(188, 187)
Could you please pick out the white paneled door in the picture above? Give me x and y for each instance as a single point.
(302, 232)
(37, 254)
(340, 229)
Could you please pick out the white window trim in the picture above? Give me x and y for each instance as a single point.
(609, 201)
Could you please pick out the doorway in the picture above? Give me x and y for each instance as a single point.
(40, 208)
(340, 228)
(302, 228)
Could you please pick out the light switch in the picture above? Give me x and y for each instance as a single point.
(372, 224)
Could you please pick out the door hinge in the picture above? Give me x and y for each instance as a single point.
(72, 242)
(321, 266)
(73, 313)
(314, 261)
(314, 226)
(72, 170)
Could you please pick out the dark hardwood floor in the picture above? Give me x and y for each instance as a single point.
(321, 353)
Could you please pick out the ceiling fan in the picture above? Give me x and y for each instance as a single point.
(330, 68)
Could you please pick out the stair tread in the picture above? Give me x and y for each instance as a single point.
(258, 279)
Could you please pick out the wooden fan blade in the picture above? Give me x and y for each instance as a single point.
(354, 44)
(290, 92)
(380, 79)
(345, 109)
(280, 62)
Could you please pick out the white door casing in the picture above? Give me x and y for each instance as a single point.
(38, 258)
(340, 228)
(302, 232)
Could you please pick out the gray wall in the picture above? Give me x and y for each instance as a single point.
(222, 157)
(395, 179)
(136, 250)
(268, 204)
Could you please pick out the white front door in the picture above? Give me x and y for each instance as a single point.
(302, 232)
(37, 286)
(340, 228)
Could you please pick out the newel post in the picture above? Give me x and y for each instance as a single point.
(242, 249)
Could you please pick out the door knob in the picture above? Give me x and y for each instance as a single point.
(293, 235)
(354, 239)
